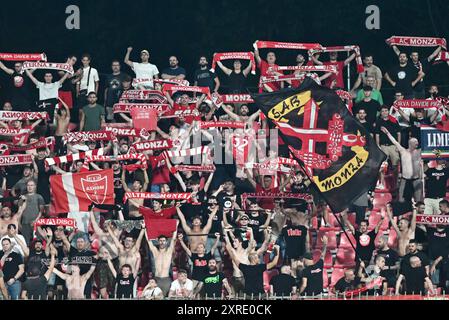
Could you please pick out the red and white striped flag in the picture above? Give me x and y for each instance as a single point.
(74, 192)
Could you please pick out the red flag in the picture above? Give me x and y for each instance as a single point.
(144, 119)
(74, 192)
(241, 145)
(159, 227)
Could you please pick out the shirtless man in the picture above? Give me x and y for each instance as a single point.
(62, 119)
(242, 255)
(162, 259)
(6, 217)
(129, 251)
(244, 114)
(405, 230)
(75, 282)
(134, 204)
(196, 234)
(108, 246)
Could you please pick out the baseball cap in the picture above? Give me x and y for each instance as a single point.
(145, 51)
(308, 256)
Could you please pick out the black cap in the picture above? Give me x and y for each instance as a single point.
(367, 88)
(308, 256)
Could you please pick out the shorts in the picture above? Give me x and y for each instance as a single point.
(105, 277)
(392, 153)
(432, 206)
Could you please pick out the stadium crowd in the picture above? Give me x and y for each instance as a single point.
(223, 245)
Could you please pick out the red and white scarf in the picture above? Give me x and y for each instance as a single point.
(66, 67)
(356, 49)
(102, 135)
(72, 157)
(19, 115)
(432, 219)
(285, 45)
(172, 88)
(127, 107)
(271, 166)
(417, 104)
(48, 142)
(205, 168)
(187, 152)
(345, 95)
(126, 131)
(13, 132)
(178, 82)
(16, 159)
(122, 157)
(234, 56)
(152, 145)
(416, 41)
(442, 56)
(237, 98)
(221, 124)
(241, 146)
(305, 69)
(156, 195)
(66, 222)
(23, 57)
(143, 95)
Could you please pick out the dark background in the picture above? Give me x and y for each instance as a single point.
(188, 29)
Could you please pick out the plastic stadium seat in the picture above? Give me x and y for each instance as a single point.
(351, 218)
(325, 279)
(374, 218)
(327, 258)
(345, 258)
(332, 239)
(392, 238)
(344, 241)
(337, 274)
(381, 199)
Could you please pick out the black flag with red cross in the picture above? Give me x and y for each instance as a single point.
(336, 152)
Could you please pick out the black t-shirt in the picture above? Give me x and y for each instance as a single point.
(314, 276)
(85, 259)
(114, 85)
(416, 124)
(365, 244)
(205, 78)
(436, 182)
(11, 265)
(368, 127)
(213, 284)
(392, 127)
(253, 278)
(438, 242)
(283, 284)
(125, 286)
(37, 260)
(20, 92)
(295, 239)
(174, 72)
(425, 65)
(236, 83)
(342, 285)
(405, 263)
(36, 288)
(199, 266)
(414, 280)
(255, 222)
(118, 188)
(371, 107)
(403, 76)
(391, 258)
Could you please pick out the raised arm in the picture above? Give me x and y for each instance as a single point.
(32, 78)
(390, 217)
(210, 220)
(231, 114)
(434, 54)
(124, 184)
(184, 224)
(257, 53)
(171, 248)
(89, 273)
(60, 274)
(140, 238)
(323, 251)
(392, 139)
(413, 221)
(111, 267)
(226, 70)
(127, 61)
(247, 70)
(6, 69)
(350, 58)
(274, 262)
(396, 50)
(115, 239)
(347, 222)
(406, 116)
(53, 253)
(183, 245)
(376, 229)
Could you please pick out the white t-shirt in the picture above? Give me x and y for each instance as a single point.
(145, 70)
(16, 248)
(152, 293)
(177, 287)
(48, 90)
(93, 78)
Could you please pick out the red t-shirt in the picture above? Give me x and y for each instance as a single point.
(340, 68)
(266, 203)
(161, 174)
(149, 213)
(16, 138)
(263, 66)
(190, 112)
